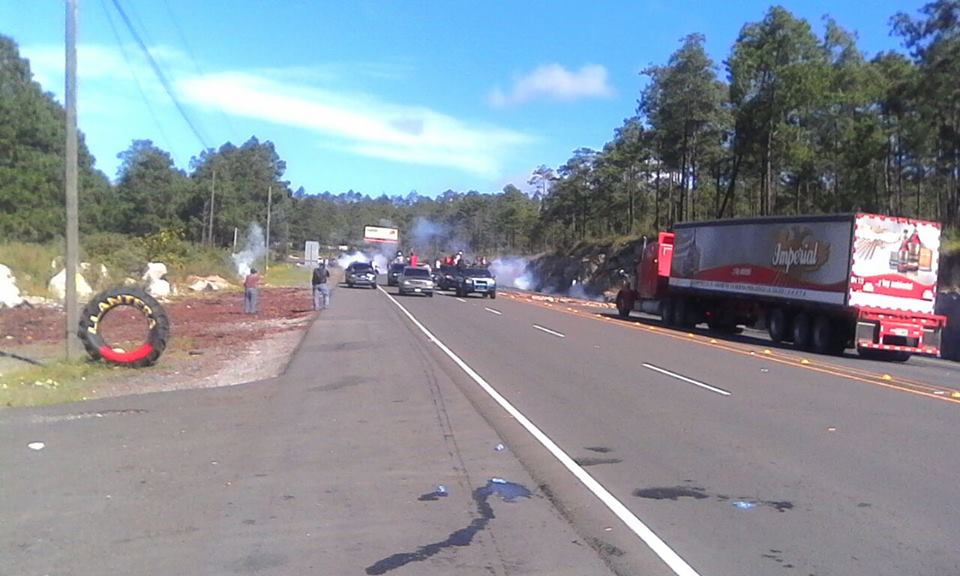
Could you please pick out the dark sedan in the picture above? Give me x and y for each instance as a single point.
(393, 274)
(361, 274)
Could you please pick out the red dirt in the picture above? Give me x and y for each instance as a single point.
(199, 322)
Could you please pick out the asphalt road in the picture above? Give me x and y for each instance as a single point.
(628, 448)
(757, 460)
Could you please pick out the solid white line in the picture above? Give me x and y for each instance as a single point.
(492, 311)
(460, 300)
(549, 331)
(720, 391)
(659, 547)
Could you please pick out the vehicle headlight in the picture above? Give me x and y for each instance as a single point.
(406, 282)
(469, 280)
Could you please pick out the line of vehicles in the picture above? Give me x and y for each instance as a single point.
(462, 280)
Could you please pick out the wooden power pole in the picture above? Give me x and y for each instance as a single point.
(266, 258)
(71, 306)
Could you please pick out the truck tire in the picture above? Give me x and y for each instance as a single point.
(778, 325)
(822, 336)
(622, 310)
(683, 313)
(801, 331)
(493, 295)
(158, 327)
(666, 311)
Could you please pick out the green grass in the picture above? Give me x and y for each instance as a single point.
(52, 383)
(30, 264)
(288, 275)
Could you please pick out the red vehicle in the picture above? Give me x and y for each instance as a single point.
(825, 283)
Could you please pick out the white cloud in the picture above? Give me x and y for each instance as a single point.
(553, 81)
(307, 98)
(361, 123)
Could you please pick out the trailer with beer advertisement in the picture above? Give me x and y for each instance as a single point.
(825, 283)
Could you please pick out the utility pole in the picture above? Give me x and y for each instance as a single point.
(71, 305)
(213, 185)
(266, 259)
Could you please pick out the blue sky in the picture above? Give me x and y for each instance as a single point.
(380, 96)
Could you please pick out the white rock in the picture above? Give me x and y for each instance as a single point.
(155, 270)
(9, 292)
(58, 286)
(158, 288)
(207, 283)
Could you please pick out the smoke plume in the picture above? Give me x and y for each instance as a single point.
(253, 250)
(513, 272)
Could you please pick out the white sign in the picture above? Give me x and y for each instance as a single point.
(381, 235)
(311, 252)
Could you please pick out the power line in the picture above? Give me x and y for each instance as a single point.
(160, 75)
(196, 64)
(132, 68)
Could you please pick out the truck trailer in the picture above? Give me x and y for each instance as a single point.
(824, 283)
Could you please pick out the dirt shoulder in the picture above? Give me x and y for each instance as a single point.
(213, 343)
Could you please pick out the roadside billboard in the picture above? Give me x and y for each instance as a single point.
(381, 235)
(790, 258)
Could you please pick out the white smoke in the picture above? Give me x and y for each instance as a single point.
(253, 250)
(378, 260)
(426, 234)
(513, 271)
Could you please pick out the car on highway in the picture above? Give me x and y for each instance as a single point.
(393, 273)
(475, 281)
(415, 280)
(361, 274)
(444, 276)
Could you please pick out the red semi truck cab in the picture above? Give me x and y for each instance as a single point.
(827, 283)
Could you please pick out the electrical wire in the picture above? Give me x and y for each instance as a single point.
(196, 64)
(136, 77)
(161, 76)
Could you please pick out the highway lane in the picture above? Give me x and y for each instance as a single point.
(835, 475)
(332, 468)
(920, 372)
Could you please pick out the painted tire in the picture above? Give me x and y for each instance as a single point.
(158, 327)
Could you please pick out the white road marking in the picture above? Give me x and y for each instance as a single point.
(460, 300)
(492, 311)
(549, 331)
(720, 391)
(673, 560)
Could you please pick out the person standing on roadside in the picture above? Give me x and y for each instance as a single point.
(251, 291)
(321, 290)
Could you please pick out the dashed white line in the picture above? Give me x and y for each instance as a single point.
(673, 560)
(549, 331)
(460, 300)
(714, 389)
(492, 311)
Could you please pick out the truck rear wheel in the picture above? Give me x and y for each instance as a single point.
(778, 325)
(823, 337)
(622, 310)
(801, 331)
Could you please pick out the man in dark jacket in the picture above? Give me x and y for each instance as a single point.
(321, 291)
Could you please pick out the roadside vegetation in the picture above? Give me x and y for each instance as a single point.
(797, 118)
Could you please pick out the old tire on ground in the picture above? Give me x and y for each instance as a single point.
(778, 325)
(801, 331)
(158, 327)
